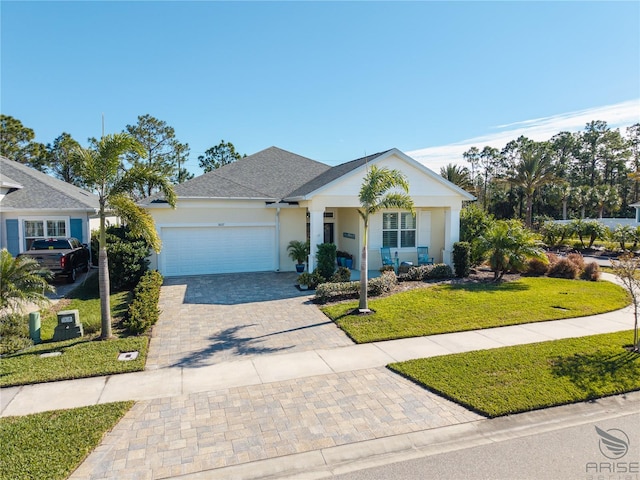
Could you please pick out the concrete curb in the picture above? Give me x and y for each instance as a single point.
(342, 459)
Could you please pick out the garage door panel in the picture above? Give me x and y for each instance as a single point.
(206, 250)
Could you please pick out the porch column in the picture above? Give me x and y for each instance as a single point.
(316, 234)
(451, 233)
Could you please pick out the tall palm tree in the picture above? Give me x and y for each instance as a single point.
(375, 195)
(102, 170)
(533, 170)
(22, 280)
(458, 175)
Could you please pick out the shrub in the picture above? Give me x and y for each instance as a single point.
(552, 257)
(342, 275)
(577, 260)
(462, 259)
(387, 268)
(312, 280)
(382, 284)
(537, 266)
(418, 273)
(14, 333)
(564, 268)
(591, 272)
(341, 289)
(326, 259)
(143, 310)
(438, 271)
(127, 257)
(376, 286)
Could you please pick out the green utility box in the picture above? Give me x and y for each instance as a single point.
(68, 327)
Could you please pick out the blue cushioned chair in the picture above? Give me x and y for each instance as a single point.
(385, 253)
(423, 256)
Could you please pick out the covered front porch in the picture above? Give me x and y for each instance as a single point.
(399, 231)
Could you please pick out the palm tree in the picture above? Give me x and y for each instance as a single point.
(508, 245)
(374, 196)
(102, 170)
(457, 175)
(23, 280)
(533, 170)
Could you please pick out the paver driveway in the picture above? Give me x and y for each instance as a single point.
(210, 319)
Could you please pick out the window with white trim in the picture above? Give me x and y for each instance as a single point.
(35, 229)
(398, 230)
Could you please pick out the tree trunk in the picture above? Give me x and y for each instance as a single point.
(363, 307)
(564, 209)
(529, 210)
(103, 281)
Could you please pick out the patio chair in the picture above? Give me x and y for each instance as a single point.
(385, 252)
(423, 256)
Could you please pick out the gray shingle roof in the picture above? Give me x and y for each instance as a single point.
(41, 191)
(269, 174)
(332, 174)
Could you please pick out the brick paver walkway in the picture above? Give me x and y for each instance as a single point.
(211, 319)
(190, 433)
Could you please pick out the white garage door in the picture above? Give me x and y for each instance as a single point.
(204, 250)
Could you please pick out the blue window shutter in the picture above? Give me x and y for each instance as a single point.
(76, 229)
(13, 239)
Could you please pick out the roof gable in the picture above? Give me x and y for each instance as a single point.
(341, 178)
(41, 191)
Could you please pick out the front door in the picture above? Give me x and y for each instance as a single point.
(328, 233)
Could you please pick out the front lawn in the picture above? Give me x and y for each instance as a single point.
(527, 377)
(469, 306)
(51, 445)
(81, 357)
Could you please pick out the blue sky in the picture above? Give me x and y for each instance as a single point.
(328, 80)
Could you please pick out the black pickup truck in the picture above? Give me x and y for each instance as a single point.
(63, 256)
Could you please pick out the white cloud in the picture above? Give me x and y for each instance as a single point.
(617, 116)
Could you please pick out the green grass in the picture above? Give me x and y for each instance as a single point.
(527, 377)
(86, 299)
(81, 357)
(51, 445)
(454, 308)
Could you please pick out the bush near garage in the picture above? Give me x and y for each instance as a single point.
(143, 310)
(128, 257)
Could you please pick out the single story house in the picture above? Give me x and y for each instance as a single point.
(242, 216)
(35, 205)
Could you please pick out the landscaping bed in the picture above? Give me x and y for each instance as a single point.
(515, 379)
(468, 304)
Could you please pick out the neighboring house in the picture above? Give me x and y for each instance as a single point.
(241, 217)
(35, 205)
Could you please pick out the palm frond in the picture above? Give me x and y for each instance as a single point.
(140, 222)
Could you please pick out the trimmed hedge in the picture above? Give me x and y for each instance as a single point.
(143, 310)
(462, 259)
(376, 286)
(326, 257)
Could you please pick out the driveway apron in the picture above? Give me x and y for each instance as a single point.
(209, 319)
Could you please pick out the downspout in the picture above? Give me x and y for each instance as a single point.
(277, 239)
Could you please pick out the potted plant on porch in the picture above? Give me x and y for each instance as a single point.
(298, 252)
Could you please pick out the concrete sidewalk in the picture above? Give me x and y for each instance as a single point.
(174, 381)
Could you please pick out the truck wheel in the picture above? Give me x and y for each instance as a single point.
(72, 276)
